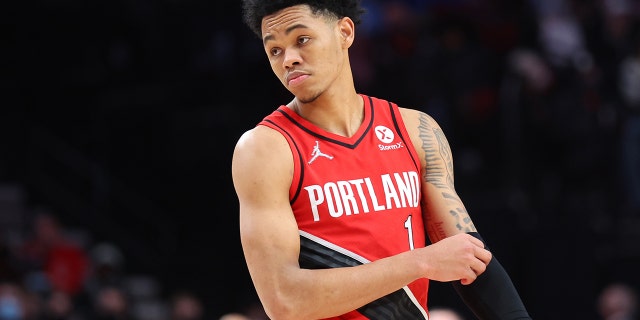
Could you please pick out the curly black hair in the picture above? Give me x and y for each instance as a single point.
(255, 10)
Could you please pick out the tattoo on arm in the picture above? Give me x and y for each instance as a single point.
(435, 145)
(439, 171)
(464, 222)
(436, 232)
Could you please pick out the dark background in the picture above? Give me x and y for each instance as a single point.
(121, 117)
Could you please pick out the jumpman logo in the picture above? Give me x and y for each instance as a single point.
(317, 153)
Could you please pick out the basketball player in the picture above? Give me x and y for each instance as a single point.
(341, 193)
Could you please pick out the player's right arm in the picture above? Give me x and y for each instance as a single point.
(262, 169)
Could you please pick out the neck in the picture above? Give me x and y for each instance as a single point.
(339, 115)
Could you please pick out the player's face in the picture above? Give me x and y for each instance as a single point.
(306, 51)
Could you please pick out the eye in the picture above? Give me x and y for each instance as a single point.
(275, 51)
(303, 40)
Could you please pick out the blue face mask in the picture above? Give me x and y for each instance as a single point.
(10, 309)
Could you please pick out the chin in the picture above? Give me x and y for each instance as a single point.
(306, 98)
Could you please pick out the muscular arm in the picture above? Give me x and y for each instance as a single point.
(444, 212)
(492, 295)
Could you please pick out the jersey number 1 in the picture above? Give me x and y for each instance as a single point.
(407, 225)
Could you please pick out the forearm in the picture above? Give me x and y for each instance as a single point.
(337, 291)
(493, 295)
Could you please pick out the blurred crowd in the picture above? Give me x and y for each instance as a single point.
(540, 95)
(55, 273)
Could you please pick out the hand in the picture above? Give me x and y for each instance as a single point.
(459, 257)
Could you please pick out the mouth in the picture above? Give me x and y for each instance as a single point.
(296, 78)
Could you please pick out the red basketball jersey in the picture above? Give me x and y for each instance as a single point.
(357, 199)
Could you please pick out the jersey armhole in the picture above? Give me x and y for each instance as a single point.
(298, 166)
(404, 135)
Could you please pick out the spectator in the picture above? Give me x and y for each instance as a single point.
(618, 301)
(63, 261)
(186, 306)
(111, 303)
(106, 267)
(60, 306)
(12, 305)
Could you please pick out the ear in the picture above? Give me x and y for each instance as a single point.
(347, 30)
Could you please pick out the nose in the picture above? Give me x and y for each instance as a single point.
(291, 58)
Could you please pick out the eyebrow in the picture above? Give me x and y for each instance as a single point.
(286, 32)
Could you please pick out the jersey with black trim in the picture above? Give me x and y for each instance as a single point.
(357, 199)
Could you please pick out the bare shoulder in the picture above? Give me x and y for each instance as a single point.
(258, 139)
(261, 153)
(415, 120)
(423, 129)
